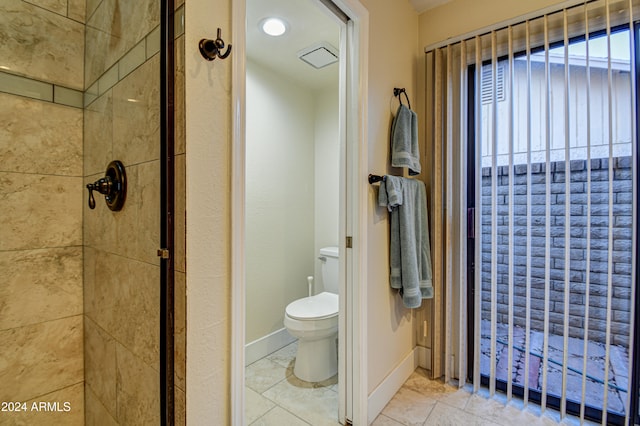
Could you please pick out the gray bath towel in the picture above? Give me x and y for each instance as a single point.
(410, 251)
(404, 140)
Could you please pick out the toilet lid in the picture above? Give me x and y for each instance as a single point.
(320, 306)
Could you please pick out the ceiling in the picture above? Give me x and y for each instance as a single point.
(308, 24)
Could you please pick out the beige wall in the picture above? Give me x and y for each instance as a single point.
(41, 222)
(279, 198)
(209, 216)
(393, 60)
(462, 16)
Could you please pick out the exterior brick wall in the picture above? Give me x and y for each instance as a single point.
(579, 242)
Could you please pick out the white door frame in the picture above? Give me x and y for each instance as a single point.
(353, 103)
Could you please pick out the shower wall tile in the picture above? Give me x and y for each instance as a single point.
(113, 29)
(73, 9)
(76, 10)
(108, 79)
(41, 44)
(152, 42)
(68, 97)
(136, 116)
(40, 211)
(100, 365)
(90, 8)
(23, 86)
(147, 202)
(137, 391)
(52, 144)
(132, 60)
(123, 299)
(95, 413)
(180, 213)
(98, 135)
(57, 6)
(40, 285)
(41, 358)
(180, 321)
(179, 97)
(178, 21)
(180, 413)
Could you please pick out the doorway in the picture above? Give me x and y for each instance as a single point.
(292, 198)
(351, 47)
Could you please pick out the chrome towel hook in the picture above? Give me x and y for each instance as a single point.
(211, 49)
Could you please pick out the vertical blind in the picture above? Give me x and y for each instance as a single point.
(543, 112)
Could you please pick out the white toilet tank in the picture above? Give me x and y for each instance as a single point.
(330, 269)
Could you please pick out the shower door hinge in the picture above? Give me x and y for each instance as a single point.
(163, 253)
(349, 242)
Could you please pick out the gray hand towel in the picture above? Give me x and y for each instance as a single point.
(404, 140)
(410, 251)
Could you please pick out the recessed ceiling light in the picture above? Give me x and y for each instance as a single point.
(273, 26)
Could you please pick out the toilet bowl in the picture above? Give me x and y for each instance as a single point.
(314, 321)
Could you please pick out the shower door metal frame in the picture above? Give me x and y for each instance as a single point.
(167, 212)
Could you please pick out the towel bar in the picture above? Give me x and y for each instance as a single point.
(375, 178)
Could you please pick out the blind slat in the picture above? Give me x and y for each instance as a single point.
(607, 356)
(567, 220)
(587, 302)
(478, 224)
(547, 255)
(634, 156)
(511, 203)
(527, 361)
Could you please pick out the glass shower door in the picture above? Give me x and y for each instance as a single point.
(121, 267)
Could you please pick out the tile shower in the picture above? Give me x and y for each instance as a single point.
(79, 300)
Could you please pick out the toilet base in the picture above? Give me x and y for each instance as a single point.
(316, 360)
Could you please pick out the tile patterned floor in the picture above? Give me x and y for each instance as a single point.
(274, 396)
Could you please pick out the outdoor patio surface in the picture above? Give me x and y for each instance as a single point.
(618, 365)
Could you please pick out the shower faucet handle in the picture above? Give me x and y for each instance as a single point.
(102, 185)
(113, 186)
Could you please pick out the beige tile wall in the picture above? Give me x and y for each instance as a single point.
(45, 256)
(113, 28)
(41, 42)
(41, 256)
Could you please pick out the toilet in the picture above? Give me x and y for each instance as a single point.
(314, 321)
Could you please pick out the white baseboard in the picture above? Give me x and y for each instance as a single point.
(391, 384)
(266, 345)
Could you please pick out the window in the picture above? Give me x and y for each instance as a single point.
(557, 225)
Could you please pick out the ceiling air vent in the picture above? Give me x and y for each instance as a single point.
(319, 55)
